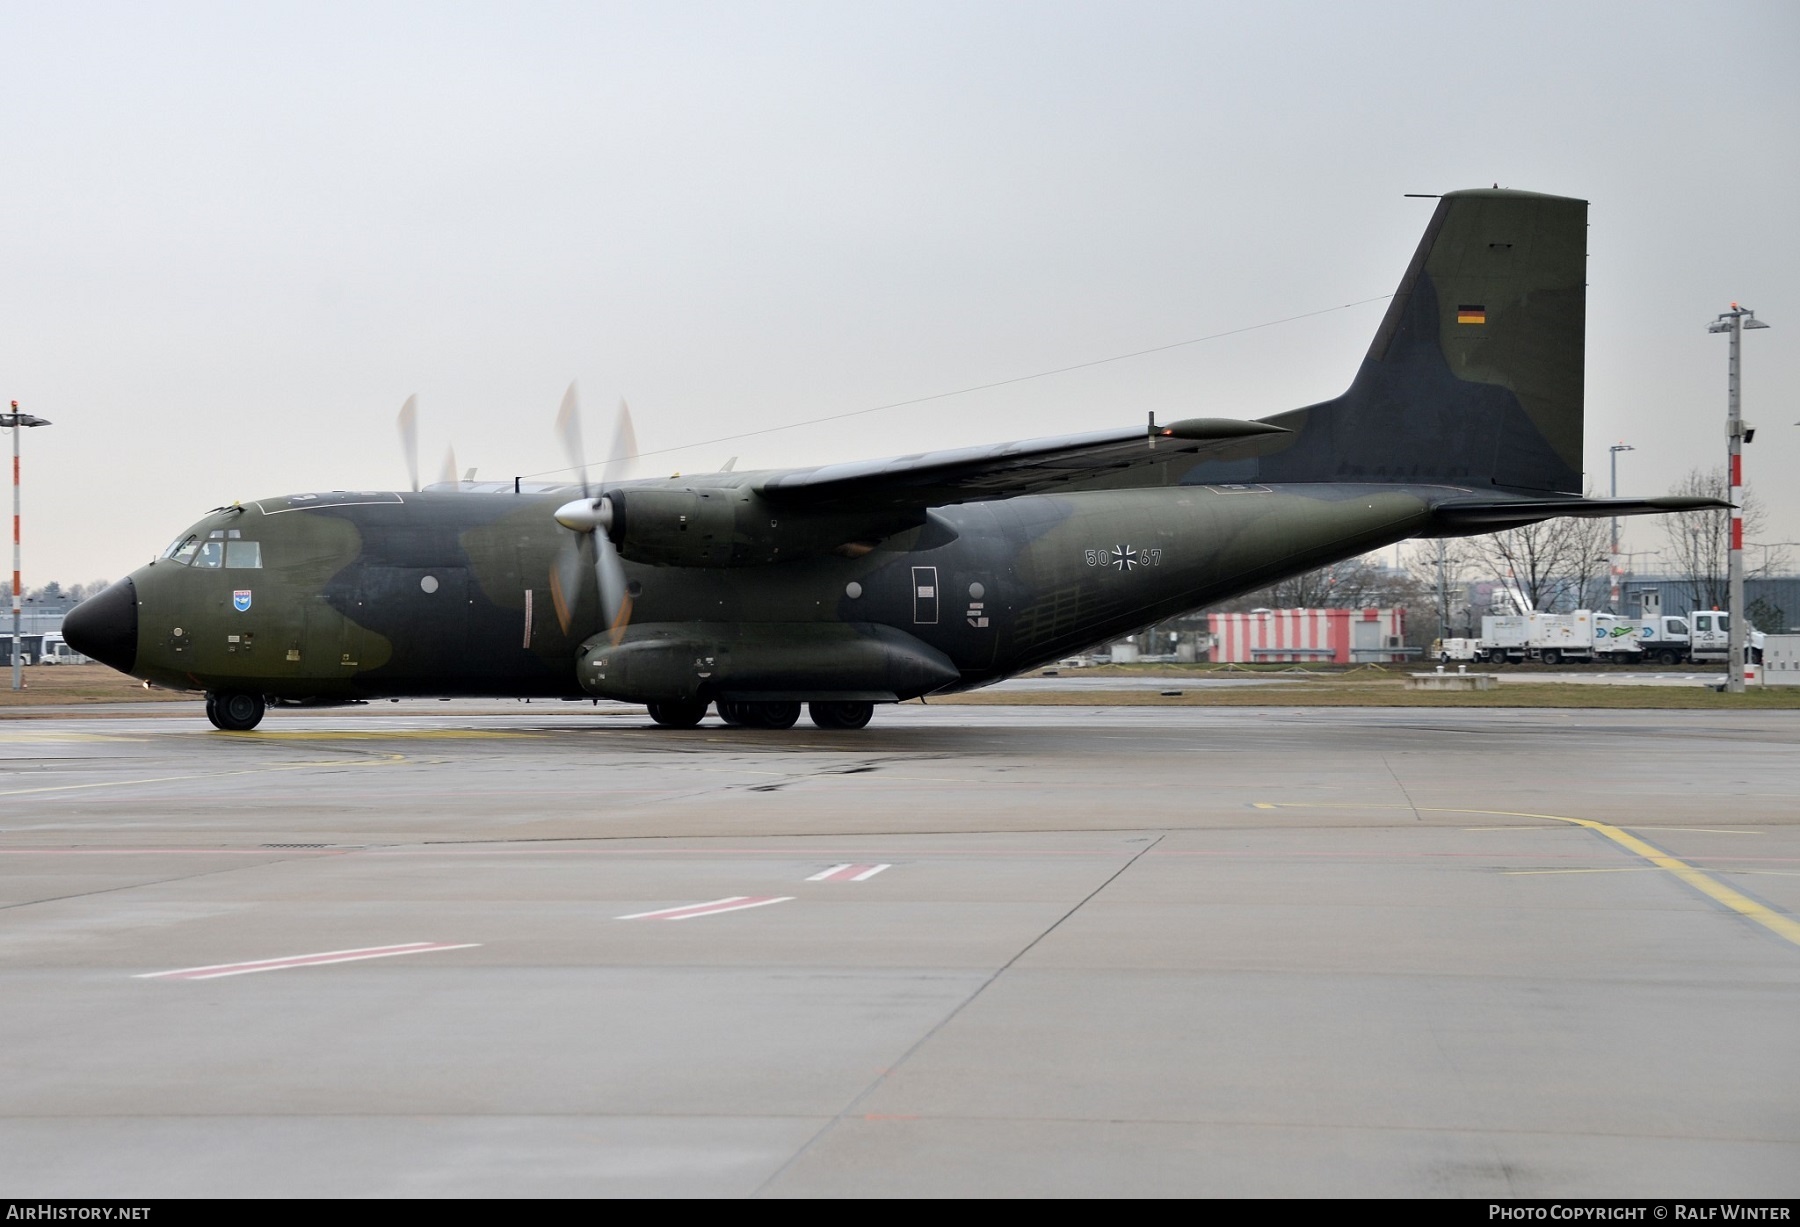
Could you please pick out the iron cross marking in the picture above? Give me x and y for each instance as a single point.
(1124, 557)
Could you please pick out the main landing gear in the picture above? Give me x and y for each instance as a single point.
(750, 714)
(847, 715)
(837, 715)
(235, 711)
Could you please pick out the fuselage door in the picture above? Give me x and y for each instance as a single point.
(925, 596)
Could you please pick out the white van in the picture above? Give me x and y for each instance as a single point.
(57, 652)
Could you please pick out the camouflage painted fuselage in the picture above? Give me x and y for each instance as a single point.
(447, 593)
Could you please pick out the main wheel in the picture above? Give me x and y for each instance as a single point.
(1668, 656)
(773, 715)
(759, 714)
(846, 714)
(677, 715)
(235, 711)
(1552, 656)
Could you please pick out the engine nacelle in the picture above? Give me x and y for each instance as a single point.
(734, 527)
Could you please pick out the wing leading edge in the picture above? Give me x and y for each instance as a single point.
(1031, 466)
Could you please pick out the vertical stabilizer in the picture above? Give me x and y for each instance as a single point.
(1475, 375)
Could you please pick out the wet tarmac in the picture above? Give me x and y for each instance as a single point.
(499, 949)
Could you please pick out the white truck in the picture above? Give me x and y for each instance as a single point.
(1552, 639)
(1700, 636)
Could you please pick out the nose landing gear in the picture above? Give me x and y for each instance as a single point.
(234, 711)
(677, 715)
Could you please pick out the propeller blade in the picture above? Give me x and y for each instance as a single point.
(449, 474)
(408, 422)
(568, 429)
(588, 519)
(566, 575)
(609, 570)
(615, 595)
(624, 449)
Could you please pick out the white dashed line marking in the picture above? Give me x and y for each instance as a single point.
(735, 903)
(848, 873)
(300, 960)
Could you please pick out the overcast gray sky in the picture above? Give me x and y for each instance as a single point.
(234, 238)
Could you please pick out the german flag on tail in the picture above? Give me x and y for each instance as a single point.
(1471, 315)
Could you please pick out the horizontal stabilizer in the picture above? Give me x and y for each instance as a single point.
(1480, 513)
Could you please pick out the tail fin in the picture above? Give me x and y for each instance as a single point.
(1475, 375)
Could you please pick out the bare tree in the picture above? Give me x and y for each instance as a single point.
(1589, 560)
(1535, 560)
(1440, 570)
(1354, 583)
(1700, 541)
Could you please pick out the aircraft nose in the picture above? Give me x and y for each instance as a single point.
(106, 626)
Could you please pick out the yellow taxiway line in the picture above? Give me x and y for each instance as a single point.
(1776, 922)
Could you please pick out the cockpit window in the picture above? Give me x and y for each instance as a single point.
(243, 554)
(219, 548)
(182, 549)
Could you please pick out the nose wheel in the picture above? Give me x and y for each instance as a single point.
(234, 711)
(677, 715)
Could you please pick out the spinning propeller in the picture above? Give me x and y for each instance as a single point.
(408, 422)
(588, 520)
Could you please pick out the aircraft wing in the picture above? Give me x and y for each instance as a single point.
(1500, 513)
(1033, 466)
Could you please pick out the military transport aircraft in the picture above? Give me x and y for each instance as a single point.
(856, 584)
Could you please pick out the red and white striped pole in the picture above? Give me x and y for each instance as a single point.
(18, 591)
(18, 422)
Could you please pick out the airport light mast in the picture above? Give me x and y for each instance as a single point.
(1735, 321)
(18, 422)
(1613, 562)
